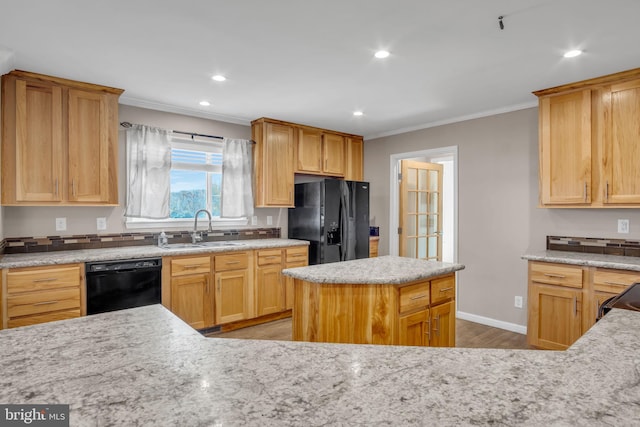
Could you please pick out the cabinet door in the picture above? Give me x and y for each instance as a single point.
(232, 296)
(309, 151)
(555, 315)
(621, 150)
(88, 147)
(39, 145)
(354, 169)
(443, 325)
(288, 281)
(414, 329)
(277, 171)
(191, 300)
(333, 154)
(565, 148)
(270, 298)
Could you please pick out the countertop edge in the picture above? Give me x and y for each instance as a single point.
(590, 260)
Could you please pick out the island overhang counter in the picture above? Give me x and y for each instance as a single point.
(386, 300)
(144, 366)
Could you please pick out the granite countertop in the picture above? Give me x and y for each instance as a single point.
(592, 260)
(131, 252)
(144, 366)
(382, 270)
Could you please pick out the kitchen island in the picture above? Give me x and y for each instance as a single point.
(384, 300)
(144, 366)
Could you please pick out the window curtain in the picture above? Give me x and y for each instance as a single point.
(148, 172)
(237, 192)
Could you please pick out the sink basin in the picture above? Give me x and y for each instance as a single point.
(200, 245)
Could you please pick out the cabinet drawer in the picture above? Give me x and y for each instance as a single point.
(269, 257)
(195, 265)
(614, 281)
(414, 296)
(297, 254)
(556, 274)
(443, 289)
(44, 301)
(42, 279)
(235, 261)
(43, 318)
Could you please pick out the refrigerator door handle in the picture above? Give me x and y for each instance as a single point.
(344, 221)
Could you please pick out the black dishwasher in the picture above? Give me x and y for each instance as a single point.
(116, 285)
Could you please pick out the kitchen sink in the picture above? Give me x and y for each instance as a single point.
(201, 245)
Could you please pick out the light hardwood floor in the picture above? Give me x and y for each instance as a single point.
(468, 334)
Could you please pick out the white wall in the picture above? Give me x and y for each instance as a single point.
(40, 221)
(498, 215)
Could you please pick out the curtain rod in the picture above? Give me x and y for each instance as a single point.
(128, 125)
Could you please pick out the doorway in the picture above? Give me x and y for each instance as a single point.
(448, 158)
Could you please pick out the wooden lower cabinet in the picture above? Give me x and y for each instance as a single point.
(376, 314)
(555, 316)
(42, 294)
(192, 299)
(294, 257)
(232, 296)
(564, 300)
(414, 329)
(270, 290)
(443, 325)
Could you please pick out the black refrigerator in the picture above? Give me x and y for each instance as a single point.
(333, 215)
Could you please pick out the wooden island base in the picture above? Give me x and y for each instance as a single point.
(418, 313)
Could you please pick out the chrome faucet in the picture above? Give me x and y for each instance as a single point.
(195, 236)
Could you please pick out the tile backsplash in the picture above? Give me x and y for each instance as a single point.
(17, 245)
(594, 245)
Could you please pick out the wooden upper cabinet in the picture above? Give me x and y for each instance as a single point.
(333, 154)
(565, 148)
(589, 136)
(309, 151)
(621, 154)
(354, 159)
(320, 153)
(273, 163)
(60, 141)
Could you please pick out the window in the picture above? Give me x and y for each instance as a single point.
(196, 177)
(196, 180)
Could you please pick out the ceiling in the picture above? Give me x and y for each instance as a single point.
(312, 62)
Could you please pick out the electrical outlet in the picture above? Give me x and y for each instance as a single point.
(518, 302)
(61, 224)
(101, 223)
(623, 226)
(254, 220)
(269, 220)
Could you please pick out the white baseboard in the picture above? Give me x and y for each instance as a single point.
(492, 322)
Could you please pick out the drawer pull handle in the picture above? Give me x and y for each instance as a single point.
(48, 279)
(46, 303)
(418, 297)
(272, 257)
(192, 266)
(233, 262)
(445, 289)
(555, 276)
(615, 283)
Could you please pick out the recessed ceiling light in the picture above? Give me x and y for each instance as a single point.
(358, 113)
(219, 78)
(572, 53)
(205, 103)
(381, 54)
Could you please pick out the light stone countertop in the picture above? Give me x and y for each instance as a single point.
(373, 271)
(592, 260)
(133, 252)
(144, 366)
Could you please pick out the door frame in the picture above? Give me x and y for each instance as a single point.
(394, 196)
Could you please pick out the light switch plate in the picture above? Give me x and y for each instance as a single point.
(101, 223)
(623, 226)
(269, 220)
(61, 224)
(254, 220)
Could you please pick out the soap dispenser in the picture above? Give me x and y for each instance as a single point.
(162, 240)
